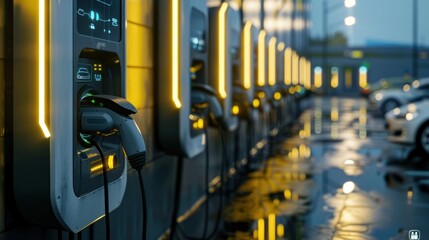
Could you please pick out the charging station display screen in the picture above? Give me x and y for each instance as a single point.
(99, 19)
(198, 31)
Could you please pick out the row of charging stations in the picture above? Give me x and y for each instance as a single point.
(216, 71)
(238, 68)
(213, 72)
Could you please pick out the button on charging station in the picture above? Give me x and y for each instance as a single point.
(84, 73)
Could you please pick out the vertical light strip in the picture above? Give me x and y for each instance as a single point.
(175, 44)
(288, 66)
(307, 70)
(363, 76)
(272, 61)
(261, 229)
(42, 76)
(295, 68)
(302, 68)
(318, 77)
(272, 226)
(222, 50)
(348, 75)
(261, 58)
(334, 77)
(248, 49)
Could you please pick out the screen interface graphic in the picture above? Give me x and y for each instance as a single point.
(99, 19)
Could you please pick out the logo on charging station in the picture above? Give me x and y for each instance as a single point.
(414, 234)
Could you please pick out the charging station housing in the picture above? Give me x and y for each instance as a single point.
(57, 174)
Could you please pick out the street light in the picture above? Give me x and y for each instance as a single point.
(349, 21)
(349, 3)
(415, 64)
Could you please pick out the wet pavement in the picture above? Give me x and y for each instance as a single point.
(334, 177)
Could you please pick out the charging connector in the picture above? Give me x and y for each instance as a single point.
(104, 114)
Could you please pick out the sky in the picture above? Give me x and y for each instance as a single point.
(380, 21)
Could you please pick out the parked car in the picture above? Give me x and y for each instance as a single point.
(386, 83)
(410, 125)
(388, 99)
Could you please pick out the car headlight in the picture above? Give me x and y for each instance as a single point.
(406, 88)
(410, 116)
(378, 96)
(409, 113)
(396, 111)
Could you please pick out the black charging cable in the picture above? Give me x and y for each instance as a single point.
(176, 198)
(144, 204)
(221, 192)
(207, 192)
(207, 182)
(106, 187)
(213, 232)
(136, 166)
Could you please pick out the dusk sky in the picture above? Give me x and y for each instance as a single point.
(380, 21)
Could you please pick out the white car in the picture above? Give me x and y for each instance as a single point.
(410, 125)
(388, 99)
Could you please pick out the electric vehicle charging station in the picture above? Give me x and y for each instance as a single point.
(190, 103)
(182, 38)
(57, 173)
(224, 27)
(282, 116)
(291, 80)
(262, 90)
(272, 93)
(286, 102)
(244, 83)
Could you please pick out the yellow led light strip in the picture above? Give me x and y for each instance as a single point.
(222, 50)
(261, 58)
(302, 67)
(261, 229)
(42, 76)
(308, 75)
(271, 226)
(247, 54)
(295, 68)
(318, 77)
(272, 64)
(175, 23)
(288, 66)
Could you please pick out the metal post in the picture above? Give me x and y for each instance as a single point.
(415, 64)
(262, 13)
(325, 81)
(292, 30)
(241, 13)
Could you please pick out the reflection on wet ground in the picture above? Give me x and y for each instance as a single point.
(336, 177)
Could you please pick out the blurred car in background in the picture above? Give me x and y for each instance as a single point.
(386, 83)
(388, 99)
(410, 125)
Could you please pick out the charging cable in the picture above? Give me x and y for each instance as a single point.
(106, 193)
(106, 187)
(104, 114)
